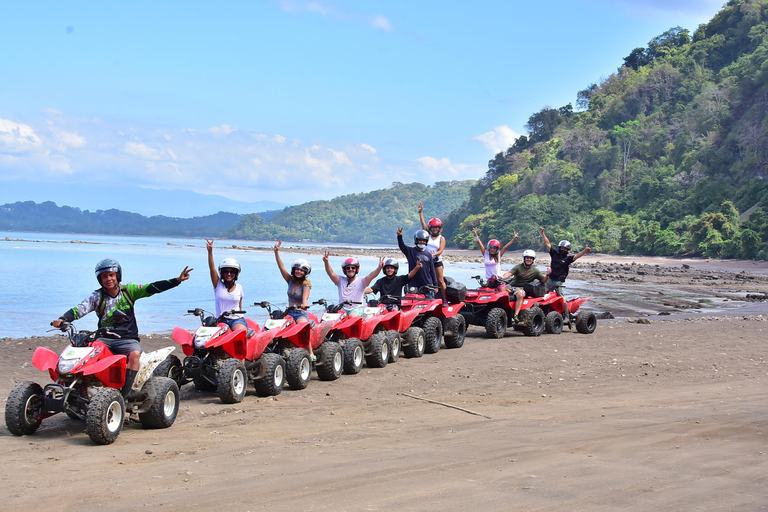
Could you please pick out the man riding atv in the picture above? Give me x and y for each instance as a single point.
(525, 273)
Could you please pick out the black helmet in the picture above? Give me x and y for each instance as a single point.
(109, 265)
(420, 235)
(392, 262)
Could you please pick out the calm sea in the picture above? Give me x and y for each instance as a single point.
(42, 275)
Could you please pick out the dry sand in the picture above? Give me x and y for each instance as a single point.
(666, 415)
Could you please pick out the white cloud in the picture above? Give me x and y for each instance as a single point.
(222, 130)
(382, 23)
(499, 139)
(143, 151)
(16, 137)
(369, 148)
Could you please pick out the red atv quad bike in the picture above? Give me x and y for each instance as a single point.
(87, 379)
(377, 330)
(491, 306)
(439, 323)
(214, 356)
(559, 311)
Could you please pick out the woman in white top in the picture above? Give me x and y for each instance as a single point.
(435, 245)
(492, 258)
(227, 293)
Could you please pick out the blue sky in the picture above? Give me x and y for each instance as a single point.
(296, 100)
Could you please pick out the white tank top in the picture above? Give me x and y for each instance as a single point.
(226, 300)
(433, 245)
(492, 267)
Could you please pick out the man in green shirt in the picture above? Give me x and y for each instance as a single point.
(525, 273)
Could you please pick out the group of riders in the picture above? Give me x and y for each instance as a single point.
(114, 302)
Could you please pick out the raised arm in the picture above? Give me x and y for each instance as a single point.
(329, 270)
(415, 270)
(421, 217)
(546, 240)
(504, 249)
(370, 277)
(582, 253)
(283, 271)
(211, 264)
(477, 240)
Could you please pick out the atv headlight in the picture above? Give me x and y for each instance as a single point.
(66, 365)
(201, 340)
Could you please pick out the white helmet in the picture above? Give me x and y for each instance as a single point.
(230, 263)
(303, 265)
(528, 253)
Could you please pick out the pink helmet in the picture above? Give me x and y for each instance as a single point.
(435, 223)
(351, 262)
(494, 243)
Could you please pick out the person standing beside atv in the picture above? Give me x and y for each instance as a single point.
(351, 289)
(492, 258)
(525, 273)
(426, 275)
(561, 262)
(392, 284)
(226, 292)
(298, 289)
(435, 245)
(113, 303)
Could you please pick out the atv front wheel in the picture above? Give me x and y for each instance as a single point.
(395, 343)
(553, 323)
(496, 323)
(298, 369)
(233, 380)
(454, 331)
(170, 367)
(379, 356)
(533, 321)
(413, 345)
(105, 416)
(433, 334)
(586, 323)
(24, 408)
(164, 396)
(274, 375)
(354, 353)
(332, 361)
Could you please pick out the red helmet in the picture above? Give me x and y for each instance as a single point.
(435, 223)
(351, 262)
(494, 243)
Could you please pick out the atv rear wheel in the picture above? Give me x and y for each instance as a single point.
(354, 353)
(298, 368)
(586, 323)
(170, 367)
(332, 361)
(105, 416)
(164, 394)
(395, 343)
(496, 323)
(274, 375)
(533, 321)
(454, 331)
(433, 334)
(379, 356)
(413, 344)
(24, 408)
(553, 323)
(232, 381)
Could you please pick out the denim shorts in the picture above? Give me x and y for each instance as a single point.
(232, 322)
(298, 314)
(122, 346)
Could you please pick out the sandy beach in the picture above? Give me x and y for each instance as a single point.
(663, 407)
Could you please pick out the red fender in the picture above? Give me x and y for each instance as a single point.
(391, 320)
(298, 334)
(555, 302)
(257, 344)
(233, 343)
(406, 319)
(253, 325)
(110, 370)
(183, 338)
(46, 359)
(575, 304)
(451, 310)
(352, 326)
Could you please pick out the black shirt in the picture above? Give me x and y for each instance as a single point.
(393, 287)
(559, 264)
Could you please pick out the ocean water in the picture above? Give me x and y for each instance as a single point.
(42, 275)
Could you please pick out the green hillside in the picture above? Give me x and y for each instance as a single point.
(660, 158)
(371, 217)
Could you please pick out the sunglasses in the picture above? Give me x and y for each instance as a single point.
(228, 271)
(350, 267)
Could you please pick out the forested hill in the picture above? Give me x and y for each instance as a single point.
(659, 158)
(371, 217)
(48, 217)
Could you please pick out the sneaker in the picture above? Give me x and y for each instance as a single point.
(313, 358)
(515, 319)
(445, 304)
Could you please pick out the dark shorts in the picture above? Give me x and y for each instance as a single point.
(438, 264)
(298, 314)
(232, 322)
(122, 346)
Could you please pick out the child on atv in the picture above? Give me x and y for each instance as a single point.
(113, 302)
(351, 289)
(561, 262)
(525, 273)
(391, 285)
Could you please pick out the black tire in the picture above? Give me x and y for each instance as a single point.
(395, 343)
(298, 369)
(553, 323)
(433, 334)
(454, 331)
(233, 381)
(586, 323)
(496, 323)
(379, 356)
(413, 342)
(274, 375)
(354, 355)
(106, 413)
(332, 361)
(164, 396)
(24, 408)
(171, 368)
(533, 321)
